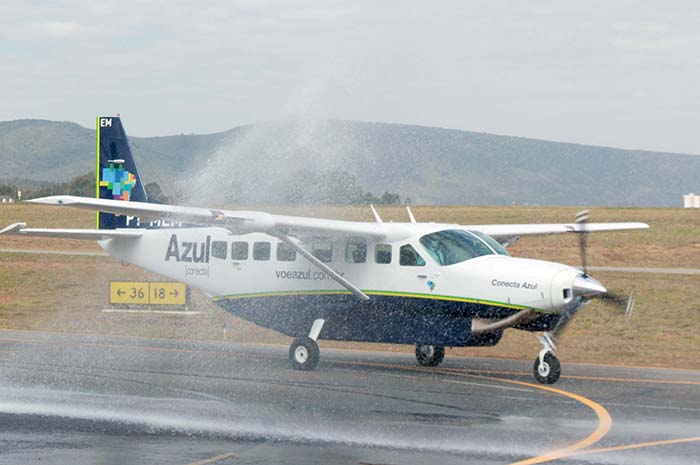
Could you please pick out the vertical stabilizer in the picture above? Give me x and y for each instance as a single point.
(116, 172)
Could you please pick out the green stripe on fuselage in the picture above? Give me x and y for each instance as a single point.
(379, 293)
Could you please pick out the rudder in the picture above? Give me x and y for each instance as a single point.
(117, 177)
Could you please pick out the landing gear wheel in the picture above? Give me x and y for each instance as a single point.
(549, 370)
(304, 353)
(430, 356)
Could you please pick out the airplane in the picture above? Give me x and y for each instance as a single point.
(431, 285)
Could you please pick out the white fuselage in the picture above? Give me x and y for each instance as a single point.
(202, 258)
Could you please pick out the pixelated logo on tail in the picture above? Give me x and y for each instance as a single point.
(119, 181)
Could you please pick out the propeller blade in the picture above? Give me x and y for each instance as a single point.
(582, 219)
(619, 301)
(630, 307)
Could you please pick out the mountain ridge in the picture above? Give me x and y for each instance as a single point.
(252, 163)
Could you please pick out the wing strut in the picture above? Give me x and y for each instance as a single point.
(296, 245)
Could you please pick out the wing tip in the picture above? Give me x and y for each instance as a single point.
(53, 200)
(13, 228)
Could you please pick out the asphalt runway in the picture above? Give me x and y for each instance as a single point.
(72, 399)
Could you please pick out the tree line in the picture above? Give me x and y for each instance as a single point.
(303, 188)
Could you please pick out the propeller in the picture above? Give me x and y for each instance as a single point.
(618, 301)
(614, 299)
(588, 288)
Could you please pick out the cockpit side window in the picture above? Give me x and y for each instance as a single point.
(409, 257)
(454, 246)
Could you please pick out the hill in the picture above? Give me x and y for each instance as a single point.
(262, 163)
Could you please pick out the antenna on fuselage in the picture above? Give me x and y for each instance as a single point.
(410, 214)
(376, 215)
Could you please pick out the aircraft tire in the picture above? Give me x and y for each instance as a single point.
(429, 356)
(304, 353)
(549, 371)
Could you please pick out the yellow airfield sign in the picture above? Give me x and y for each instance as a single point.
(168, 294)
(147, 293)
(128, 292)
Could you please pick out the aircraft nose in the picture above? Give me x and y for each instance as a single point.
(585, 286)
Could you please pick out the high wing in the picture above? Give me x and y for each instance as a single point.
(237, 221)
(240, 221)
(509, 233)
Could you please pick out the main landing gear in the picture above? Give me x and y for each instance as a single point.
(547, 368)
(304, 352)
(430, 356)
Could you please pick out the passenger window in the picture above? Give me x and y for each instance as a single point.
(285, 252)
(239, 251)
(409, 257)
(219, 249)
(382, 253)
(356, 251)
(323, 250)
(261, 251)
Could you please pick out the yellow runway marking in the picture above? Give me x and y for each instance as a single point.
(604, 424)
(604, 420)
(216, 458)
(637, 446)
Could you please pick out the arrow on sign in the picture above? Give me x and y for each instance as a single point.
(120, 292)
(174, 293)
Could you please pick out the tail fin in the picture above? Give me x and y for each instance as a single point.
(116, 172)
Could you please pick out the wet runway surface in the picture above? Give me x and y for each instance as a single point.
(83, 399)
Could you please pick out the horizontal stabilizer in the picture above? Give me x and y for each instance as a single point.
(20, 229)
(143, 210)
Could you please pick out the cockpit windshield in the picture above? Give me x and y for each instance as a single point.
(454, 246)
(495, 245)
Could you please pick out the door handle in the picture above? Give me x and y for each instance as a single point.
(423, 276)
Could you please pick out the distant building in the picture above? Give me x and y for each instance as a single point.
(6, 199)
(691, 201)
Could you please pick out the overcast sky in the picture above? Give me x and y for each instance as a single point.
(619, 73)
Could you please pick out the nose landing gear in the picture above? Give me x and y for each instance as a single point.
(547, 368)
